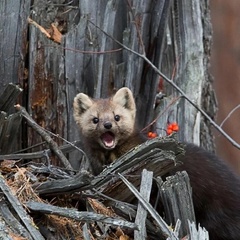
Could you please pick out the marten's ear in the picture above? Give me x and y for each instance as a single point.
(124, 97)
(81, 103)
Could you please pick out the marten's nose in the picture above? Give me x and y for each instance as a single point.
(107, 125)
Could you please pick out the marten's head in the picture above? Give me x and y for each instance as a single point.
(106, 122)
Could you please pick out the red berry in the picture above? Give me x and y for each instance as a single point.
(169, 131)
(150, 134)
(175, 127)
(154, 135)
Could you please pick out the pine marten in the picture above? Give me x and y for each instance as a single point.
(108, 129)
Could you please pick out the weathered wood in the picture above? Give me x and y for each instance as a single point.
(9, 123)
(176, 197)
(88, 61)
(186, 62)
(12, 222)
(9, 96)
(157, 155)
(52, 144)
(167, 232)
(13, 41)
(4, 231)
(79, 182)
(86, 234)
(145, 191)
(79, 216)
(19, 210)
(9, 128)
(197, 234)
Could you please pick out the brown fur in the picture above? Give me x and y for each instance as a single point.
(216, 189)
(124, 133)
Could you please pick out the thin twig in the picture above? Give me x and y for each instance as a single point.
(84, 52)
(165, 110)
(39, 154)
(65, 140)
(229, 115)
(233, 142)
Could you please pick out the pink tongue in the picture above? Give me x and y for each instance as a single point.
(108, 139)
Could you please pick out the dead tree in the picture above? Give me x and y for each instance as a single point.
(71, 47)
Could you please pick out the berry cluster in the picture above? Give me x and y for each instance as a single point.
(172, 127)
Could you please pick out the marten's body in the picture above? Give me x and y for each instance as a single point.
(216, 193)
(108, 128)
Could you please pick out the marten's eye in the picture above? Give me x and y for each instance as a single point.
(117, 118)
(95, 120)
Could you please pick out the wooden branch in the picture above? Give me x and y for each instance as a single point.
(20, 210)
(53, 145)
(79, 216)
(79, 182)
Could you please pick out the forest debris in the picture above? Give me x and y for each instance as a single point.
(100, 208)
(158, 155)
(159, 220)
(42, 29)
(56, 36)
(176, 196)
(53, 145)
(79, 182)
(9, 127)
(52, 33)
(106, 194)
(79, 216)
(21, 185)
(197, 234)
(20, 210)
(67, 148)
(12, 222)
(145, 191)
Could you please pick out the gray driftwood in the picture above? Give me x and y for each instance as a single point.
(79, 216)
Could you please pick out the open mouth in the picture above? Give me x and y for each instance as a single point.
(108, 139)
